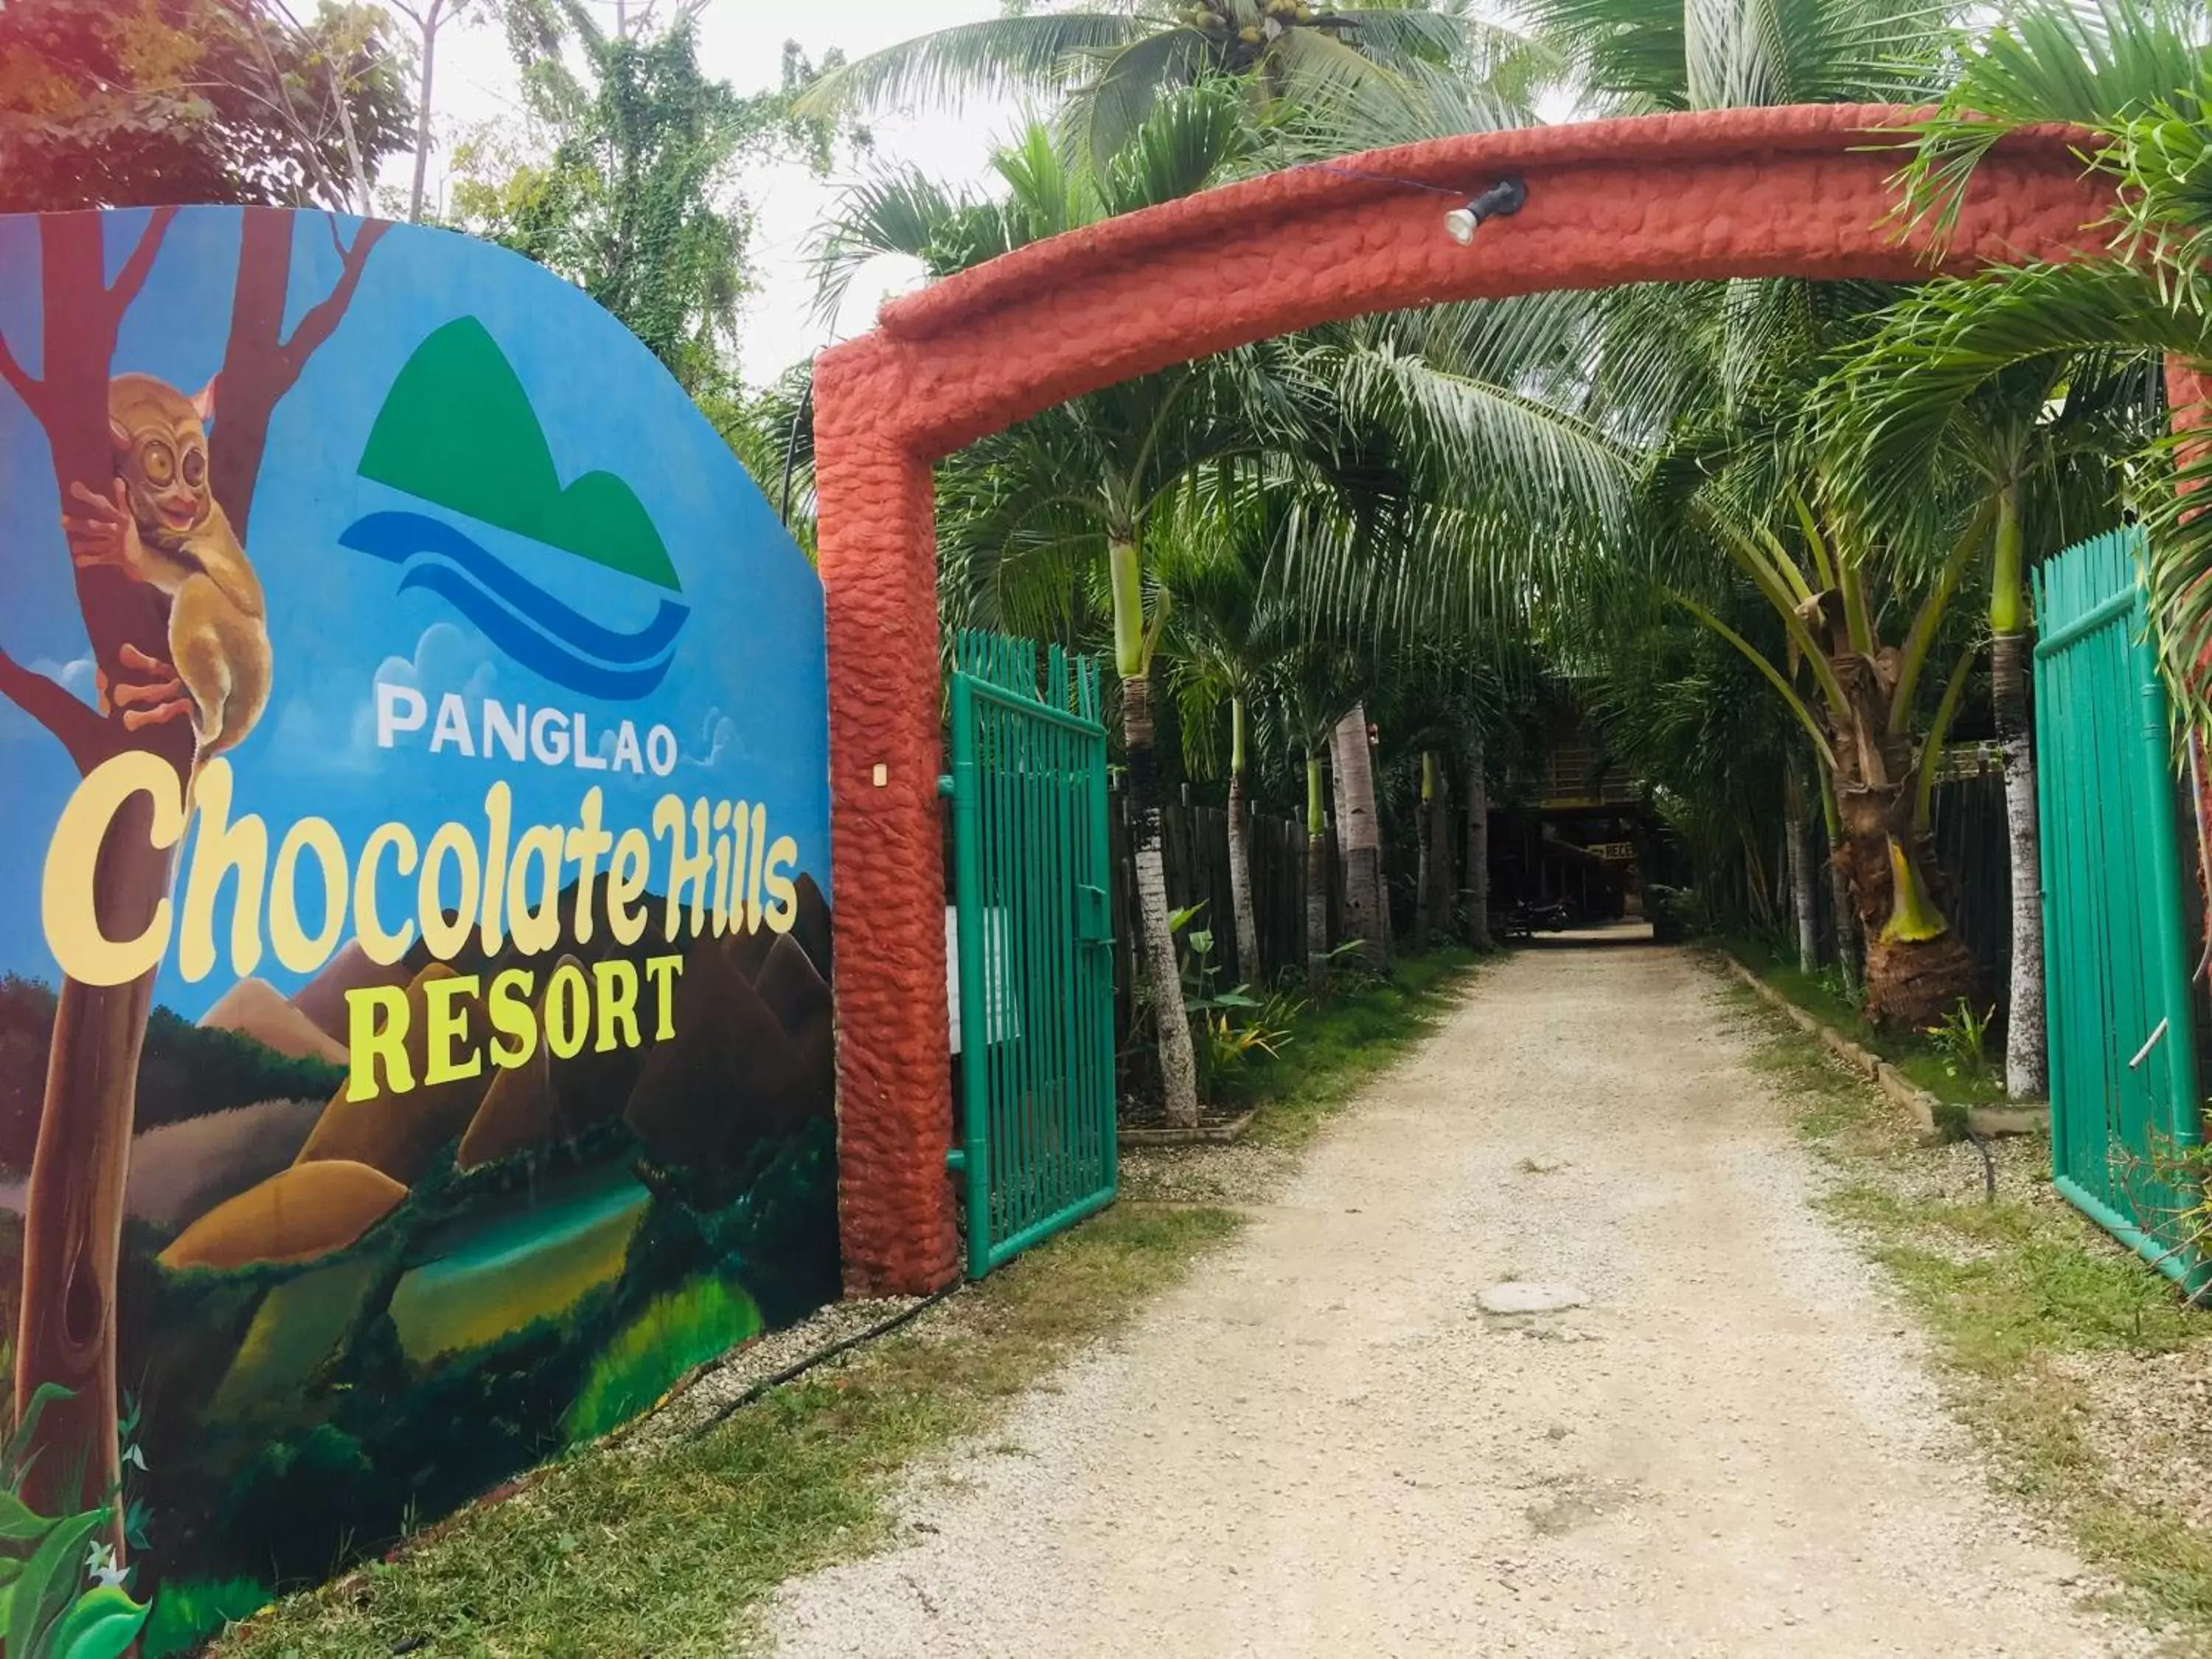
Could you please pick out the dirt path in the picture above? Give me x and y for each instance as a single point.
(1319, 1445)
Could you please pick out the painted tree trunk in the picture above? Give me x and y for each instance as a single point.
(74, 1201)
(1359, 834)
(2026, 1070)
(1178, 1063)
(73, 1205)
(1475, 888)
(1798, 853)
(1316, 882)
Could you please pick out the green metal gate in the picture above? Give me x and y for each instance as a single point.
(2122, 1043)
(1035, 974)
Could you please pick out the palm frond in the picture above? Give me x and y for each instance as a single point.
(1122, 89)
(897, 210)
(2095, 63)
(1034, 52)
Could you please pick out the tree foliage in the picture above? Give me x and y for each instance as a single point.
(626, 175)
(130, 103)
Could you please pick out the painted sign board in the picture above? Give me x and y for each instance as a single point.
(414, 1033)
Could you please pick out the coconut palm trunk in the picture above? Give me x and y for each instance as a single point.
(1798, 852)
(2027, 1071)
(1359, 834)
(1250, 968)
(1839, 889)
(1317, 880)
(1917, 968)
(1178, 1062)
(1476, 890)
(1433, 883)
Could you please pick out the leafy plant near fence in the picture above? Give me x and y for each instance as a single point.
(1960, 1039)
(1233, 1026)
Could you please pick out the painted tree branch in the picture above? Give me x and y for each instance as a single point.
(132, 277)
(323, 317)
(12, 372)
(80, 728)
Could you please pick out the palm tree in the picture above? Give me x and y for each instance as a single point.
(2039, 443)
(1716, 379)
(2033, 376)
(1210, 569)
(2135, 73)
(1360, 834)
(1636, 55)
(1312, 679)
(1057, 519)
(1457, 484)
(1113, 61)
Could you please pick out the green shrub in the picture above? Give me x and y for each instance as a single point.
(702, 1321)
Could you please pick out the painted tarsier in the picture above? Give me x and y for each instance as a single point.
(161, 524)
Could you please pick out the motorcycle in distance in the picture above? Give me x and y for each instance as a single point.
(1543, 915)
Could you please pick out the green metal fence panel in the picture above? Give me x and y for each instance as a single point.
(2123, 1061)
(1032, 945)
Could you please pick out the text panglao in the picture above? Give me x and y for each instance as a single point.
(550, 737)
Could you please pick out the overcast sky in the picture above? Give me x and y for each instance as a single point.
(476, 80)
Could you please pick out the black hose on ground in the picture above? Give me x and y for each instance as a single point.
(798, 1368)
(1988, 1167)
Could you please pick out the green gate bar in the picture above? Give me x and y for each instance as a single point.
(2121, 1028)
(1038, 1146)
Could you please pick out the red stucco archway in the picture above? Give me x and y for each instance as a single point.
(1797, 192)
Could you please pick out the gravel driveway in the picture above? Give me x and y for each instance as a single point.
(1319, 1444)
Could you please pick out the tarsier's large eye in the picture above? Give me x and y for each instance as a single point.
(195, 466)
(160, 462)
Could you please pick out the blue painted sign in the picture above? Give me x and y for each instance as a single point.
(415, 1040)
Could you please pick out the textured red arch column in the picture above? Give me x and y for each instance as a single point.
(1800, 191)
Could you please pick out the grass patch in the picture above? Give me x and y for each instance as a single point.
(668, 1549)
(1919, 1060)
(2009, 1289)
(1359, 1032)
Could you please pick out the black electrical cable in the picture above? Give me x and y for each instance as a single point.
(1384, 178)
(798, 1368)
(1989, 1166)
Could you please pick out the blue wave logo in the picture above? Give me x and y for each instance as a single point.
(516, 615)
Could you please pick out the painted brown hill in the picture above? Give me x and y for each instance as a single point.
(255, 1008)
(323, 999)
(401, 1134)
(749, 1061)
(296, 1215)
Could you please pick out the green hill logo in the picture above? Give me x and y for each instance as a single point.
(457, 431)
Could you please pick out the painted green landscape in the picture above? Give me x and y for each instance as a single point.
(567, 1241)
